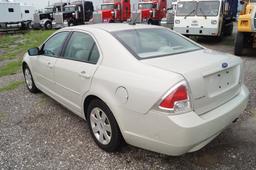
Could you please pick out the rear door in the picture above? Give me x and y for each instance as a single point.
(75, 69)
(46, 61)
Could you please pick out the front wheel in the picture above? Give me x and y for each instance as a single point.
(29, 80)
(103, 126)
(239, 44)
(48, 25)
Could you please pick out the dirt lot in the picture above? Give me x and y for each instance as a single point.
(38, 133)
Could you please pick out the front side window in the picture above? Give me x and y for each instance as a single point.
(145, 5)
(186, 8)
(107, 6)
(81, 47)
(208, 8)
(53, 46)
(152, 43)
(69, 9)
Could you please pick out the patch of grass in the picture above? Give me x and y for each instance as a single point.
(2, 116)
(16, 45)
(10, 68)
(11, 86)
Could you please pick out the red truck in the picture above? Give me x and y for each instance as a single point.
(115, 10)
(152, 11)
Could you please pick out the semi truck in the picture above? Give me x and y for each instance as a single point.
(115, 10)
(152, 11)
(212, 18)
(44, 20)
(15, 16)
(246, 35)
(75, 13)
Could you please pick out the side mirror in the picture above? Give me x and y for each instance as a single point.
(33, 51)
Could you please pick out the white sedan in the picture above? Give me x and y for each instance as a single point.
(144, 85)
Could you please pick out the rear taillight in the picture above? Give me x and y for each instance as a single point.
(177, 99)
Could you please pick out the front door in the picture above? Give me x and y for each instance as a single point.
(74, 71)
(46, 61)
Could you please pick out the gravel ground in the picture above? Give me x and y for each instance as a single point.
(38, 133)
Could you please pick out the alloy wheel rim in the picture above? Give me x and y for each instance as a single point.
(100, 125)
(28, 78)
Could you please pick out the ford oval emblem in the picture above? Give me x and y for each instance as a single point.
(224, 65)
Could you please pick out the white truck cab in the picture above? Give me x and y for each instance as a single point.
(203, 18)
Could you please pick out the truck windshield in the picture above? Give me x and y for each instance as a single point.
(186, 8)
(154, 42)
(48, 10)
(208, 8)
(107, 6)
(145, 5)
(69, 9)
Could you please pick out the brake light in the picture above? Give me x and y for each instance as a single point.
(177, 99)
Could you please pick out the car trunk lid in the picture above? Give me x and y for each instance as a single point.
(214, 78)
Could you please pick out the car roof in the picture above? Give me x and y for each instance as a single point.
(111, 27)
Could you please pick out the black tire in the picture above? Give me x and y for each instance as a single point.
(229, 30)
(48, 25)
(239, 44)
(116, 139)
(31, 87)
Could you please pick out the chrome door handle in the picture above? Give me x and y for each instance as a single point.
(83, 74)
(50, 65)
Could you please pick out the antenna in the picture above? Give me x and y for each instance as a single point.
(133, 21)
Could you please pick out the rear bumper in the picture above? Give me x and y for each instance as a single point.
(197, 31)
(179, 134)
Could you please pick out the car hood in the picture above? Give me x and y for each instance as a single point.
(213, 77)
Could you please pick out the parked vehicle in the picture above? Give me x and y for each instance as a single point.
(157, 90)
(152, 11)
(116, 10)
(168, 21)
(76, 13)
(15, 16)
(205, 17)
(44, 20)
(246, 35)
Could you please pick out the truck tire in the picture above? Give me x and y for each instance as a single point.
(228, 30)
(239, 44)
(48, 25)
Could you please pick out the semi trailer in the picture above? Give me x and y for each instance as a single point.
(15, 16)
(152, 11)
(75, 13)
(44, 20)
(115, 10)
(205, 17)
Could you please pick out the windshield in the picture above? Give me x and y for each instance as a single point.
(208, 8)
(69, 9)
(156, 42)
(145, 5)
(48, 10)
(186, 8)
(107, 6)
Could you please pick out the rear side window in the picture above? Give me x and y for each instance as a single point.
(10, 9)
(53, 46)
(82, 47)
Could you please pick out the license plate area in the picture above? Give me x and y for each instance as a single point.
(222, 81)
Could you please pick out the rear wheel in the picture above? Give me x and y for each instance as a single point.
(103, 126)
(239, 43)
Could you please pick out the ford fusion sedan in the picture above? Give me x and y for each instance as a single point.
(144, 85)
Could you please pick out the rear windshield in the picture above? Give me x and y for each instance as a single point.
(154, 42)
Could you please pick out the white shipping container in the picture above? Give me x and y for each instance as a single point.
(27, 12)
(10, 12)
